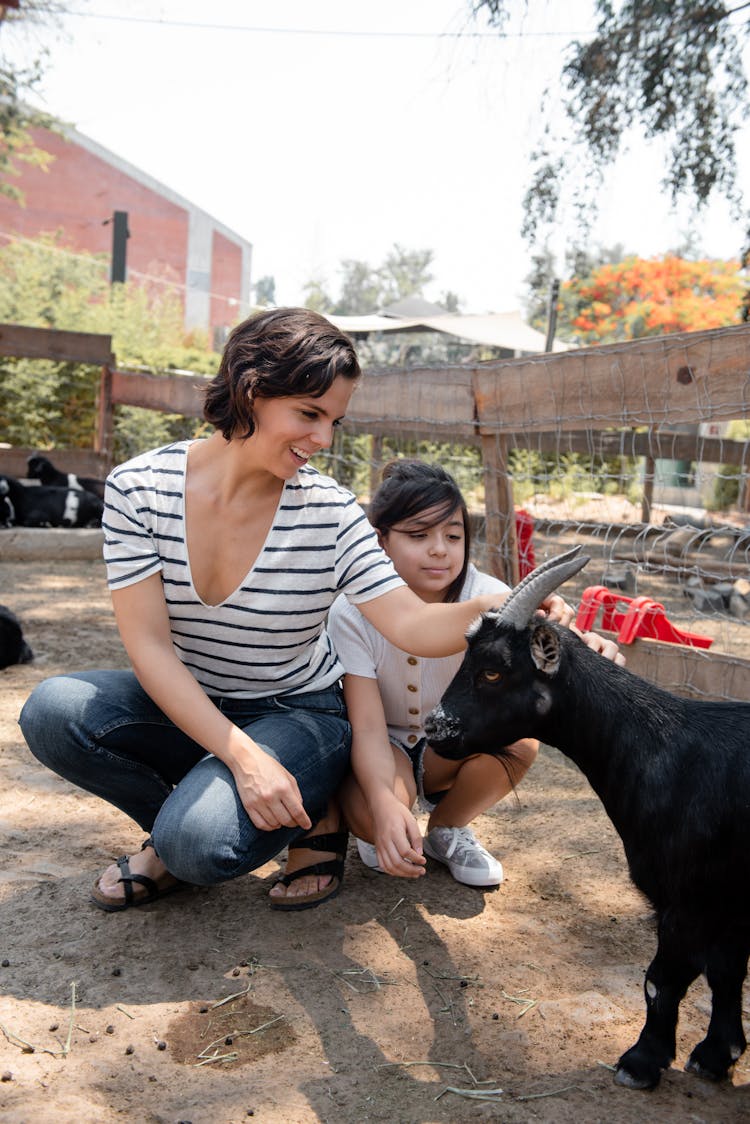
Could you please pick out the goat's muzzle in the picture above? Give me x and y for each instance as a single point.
(443, 733)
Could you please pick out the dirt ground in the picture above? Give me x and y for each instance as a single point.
(395, 1002)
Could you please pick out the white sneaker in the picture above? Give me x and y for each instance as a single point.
(369, 855)
(467, 860)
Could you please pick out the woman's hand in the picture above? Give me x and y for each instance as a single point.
(398, 840)
(269, 793)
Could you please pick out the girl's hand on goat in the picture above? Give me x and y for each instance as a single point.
(597, 643)
(398, 841)
(556, 608)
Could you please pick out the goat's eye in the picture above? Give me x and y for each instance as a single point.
(491, 676)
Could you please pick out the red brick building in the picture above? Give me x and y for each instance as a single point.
(170, 239)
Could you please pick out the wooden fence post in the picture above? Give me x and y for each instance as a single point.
(500, 512)
(104, 436)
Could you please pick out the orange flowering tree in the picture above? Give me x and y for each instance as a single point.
(650, 297)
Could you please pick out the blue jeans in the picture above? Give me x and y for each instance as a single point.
(100, 730)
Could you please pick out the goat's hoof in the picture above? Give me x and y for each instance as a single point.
(633, 1081)
(637, 1069)
(706, 1062)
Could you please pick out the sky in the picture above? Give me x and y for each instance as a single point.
(329, 130)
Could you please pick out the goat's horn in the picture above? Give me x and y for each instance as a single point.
(523, 601)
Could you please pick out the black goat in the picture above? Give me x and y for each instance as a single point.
(33, 505)
(674, 777)
(42, 469)
(13, 647)
(7, 513)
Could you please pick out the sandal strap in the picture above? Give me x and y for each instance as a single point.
(336, 841)
(334, 867)
(128, 878)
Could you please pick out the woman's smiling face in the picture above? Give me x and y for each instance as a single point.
(291, 430)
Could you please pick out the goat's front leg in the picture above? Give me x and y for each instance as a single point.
(669, 975)
(725, 1042)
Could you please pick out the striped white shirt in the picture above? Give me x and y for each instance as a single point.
(269, 636)
(409, 685)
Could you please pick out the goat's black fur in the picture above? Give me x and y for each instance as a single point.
(13, 647)
(42, 469)
(34, 505)
(674, 777)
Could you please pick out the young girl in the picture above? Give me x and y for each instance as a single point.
(423, 525)
(229, 736)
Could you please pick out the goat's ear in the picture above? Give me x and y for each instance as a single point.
(545, 649)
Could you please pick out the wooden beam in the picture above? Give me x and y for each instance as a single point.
(661, 380)
(22, 342)
(172, 394)
(663, 445)
(690, 672)
(437, 403)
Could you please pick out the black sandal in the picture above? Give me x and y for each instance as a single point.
(337, 842)
(154, 891)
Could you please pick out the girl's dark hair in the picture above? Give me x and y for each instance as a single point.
(411, 487)
(279, 353)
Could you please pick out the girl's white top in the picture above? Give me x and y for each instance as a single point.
(269, 636)
(410, 686)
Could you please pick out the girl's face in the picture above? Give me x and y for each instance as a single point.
(288, 431)
(427, 555)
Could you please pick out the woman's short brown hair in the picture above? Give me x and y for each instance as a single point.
(278, 353)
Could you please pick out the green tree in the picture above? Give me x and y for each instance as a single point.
(45, 404)
(361, 289)
(404, 273)
(365, 289)
(317, 297)
(16, 117)
(672, 70)
(265, 291)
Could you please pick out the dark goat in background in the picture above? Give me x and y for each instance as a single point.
(674, 777)
(7, 511)
(33, 505)
(42, 469)
(13, 647)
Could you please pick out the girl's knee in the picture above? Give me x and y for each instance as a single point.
(523, 753)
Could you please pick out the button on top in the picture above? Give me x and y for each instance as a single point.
(411, 687)
(412, 660)
(413, 710)
(411, 739)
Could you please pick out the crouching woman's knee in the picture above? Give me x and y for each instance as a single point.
(203, 834)
(47, 719)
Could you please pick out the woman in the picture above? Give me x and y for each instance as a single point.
(223, 557)
(423, 525)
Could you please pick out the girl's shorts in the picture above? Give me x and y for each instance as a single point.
(415, 754)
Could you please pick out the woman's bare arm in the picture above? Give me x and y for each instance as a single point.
(268, 791)
(431, 630)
